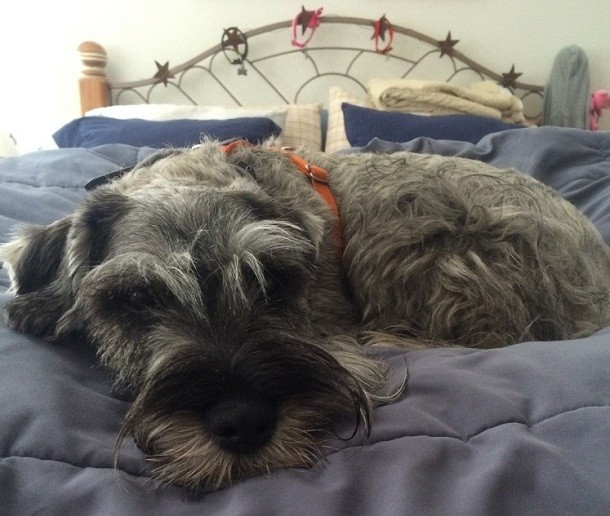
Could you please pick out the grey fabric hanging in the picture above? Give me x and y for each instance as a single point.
(566, 101)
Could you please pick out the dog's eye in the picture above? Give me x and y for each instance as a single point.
(274, 281)
(271, 286)
(138, 299)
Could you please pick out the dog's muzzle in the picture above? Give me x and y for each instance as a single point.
(241, 425)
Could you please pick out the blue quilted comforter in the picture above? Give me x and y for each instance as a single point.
(520, 430)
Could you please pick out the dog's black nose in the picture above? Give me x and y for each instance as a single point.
(241, 425)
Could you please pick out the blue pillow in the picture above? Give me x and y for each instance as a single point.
(364, 124)
(91, 131)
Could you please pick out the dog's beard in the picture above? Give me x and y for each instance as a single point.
(306, 385)
(181, 451)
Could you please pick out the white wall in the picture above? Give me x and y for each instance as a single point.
(40, 67)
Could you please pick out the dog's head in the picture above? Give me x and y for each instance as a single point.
(195, 285)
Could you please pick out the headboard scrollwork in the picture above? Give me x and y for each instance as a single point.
(275, 72)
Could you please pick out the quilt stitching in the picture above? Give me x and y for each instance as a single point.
(34, 185)
(350, 448)
(68, 463)
(482, 430)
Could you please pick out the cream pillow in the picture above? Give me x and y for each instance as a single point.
(336, 138)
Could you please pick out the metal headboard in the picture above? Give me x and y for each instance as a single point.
(275, 71)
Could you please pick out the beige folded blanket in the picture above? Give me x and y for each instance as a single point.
(483, 98)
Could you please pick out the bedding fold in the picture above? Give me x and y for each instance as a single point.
(482, 98)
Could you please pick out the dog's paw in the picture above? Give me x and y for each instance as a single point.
(27, 313)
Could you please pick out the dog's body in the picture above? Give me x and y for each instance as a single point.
(225, 300)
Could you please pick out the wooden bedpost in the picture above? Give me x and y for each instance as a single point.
(93, 85)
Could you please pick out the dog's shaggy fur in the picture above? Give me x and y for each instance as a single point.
(219, 298)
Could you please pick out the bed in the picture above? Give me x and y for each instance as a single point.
(519, 430)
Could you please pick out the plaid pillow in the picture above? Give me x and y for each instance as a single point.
(303, 127)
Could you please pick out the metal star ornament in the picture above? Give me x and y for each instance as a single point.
(235, 48)
(163, 74)
(304, 18)
(381, 27)
(509, 80)
(233, 37)
(447, 45)
(308, 21)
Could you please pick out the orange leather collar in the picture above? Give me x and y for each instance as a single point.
(318, 177)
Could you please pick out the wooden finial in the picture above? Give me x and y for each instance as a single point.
(93, 57)
(93, 84)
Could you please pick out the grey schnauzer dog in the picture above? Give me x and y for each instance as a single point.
(223, 292)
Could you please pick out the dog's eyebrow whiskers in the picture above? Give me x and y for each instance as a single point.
(259, 242)
(261, 237)
(199, 235)
(180, 282)
(172, 274)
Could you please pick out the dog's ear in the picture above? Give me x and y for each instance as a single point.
(92, 229)
(34, 260)
(46, 265)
